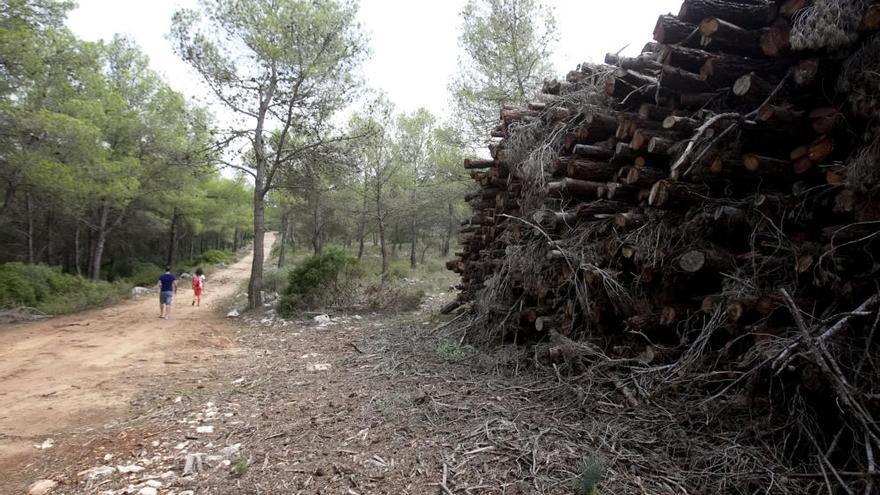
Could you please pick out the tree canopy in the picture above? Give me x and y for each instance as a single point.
(506, 46)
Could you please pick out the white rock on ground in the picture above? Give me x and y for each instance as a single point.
(318, 366)
(148, 490)
(41, 487)
(140, 291)
(97, 472)
(232, 314)
(47, 444)
(205, 429)
(321, 319)
(130, 469)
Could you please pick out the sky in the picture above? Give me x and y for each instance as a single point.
(414, 42)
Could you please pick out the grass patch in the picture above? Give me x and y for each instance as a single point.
(591, 475)
(240, 467)
(454, 353)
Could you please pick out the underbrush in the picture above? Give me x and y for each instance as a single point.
(214, 257)
(331, 279)
(50, 291)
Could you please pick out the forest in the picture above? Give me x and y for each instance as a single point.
(661, 267)
(108, 174)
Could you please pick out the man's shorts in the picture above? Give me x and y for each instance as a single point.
(165, 297)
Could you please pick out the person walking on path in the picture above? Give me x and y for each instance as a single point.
(198, 287)
(167, 288)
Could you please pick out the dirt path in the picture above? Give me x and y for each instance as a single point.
(83, 370)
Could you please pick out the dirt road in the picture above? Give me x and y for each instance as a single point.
(82, 370)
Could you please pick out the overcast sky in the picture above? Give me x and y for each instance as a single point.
(414, 42)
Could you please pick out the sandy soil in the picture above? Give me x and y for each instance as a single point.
(82, 371)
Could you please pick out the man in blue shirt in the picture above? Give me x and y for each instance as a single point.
(167, 288)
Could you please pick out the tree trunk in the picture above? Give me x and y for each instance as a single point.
(363, 224)
(172, 239)
(412, 249)
(100, 243)
(450, 227)
(30, 227)
(50, 239)
(255, 285)
(76, 250)
(380, 217)
(283, 246)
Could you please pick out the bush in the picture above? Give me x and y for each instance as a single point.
(398, 270)
(325, 280)
(276, 279)
(213, 256)
(49, 290)
(144, 274)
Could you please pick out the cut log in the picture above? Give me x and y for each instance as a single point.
(704, 261)
(671, 30)
(682, 124)
(689, 59)
(871, 18)
(751, 89)
(754, 14)
(724, 71)
(644, 177)
(721, 35)
(776, 41)
(836, 175)
(806, 72)
(668, 193)
(601, 126)
(650, 111)
(642, 63)
(597, 152)
(515, 114)
(767, 166)
(682, 81)
(621, 192)
(780, 116)
(825, 119)
(588, 170)
(790, 7)
(574, 187)
(820, 149)
(629, 220)
(660, 145)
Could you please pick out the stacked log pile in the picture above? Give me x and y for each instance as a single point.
(709, 203)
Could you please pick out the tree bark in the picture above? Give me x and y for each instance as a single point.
(362, 227)
(282, 248)
(100, 242)
(380, 220)
(172, 239)
(450, 226)
(29, 209)
(255, 285)
(76, 250)
(749, 15)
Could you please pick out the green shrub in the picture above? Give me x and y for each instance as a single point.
(15, 288)
(213, 256)
(325, 280)
(144, 274)
(591, 475)
(453, 352)
(276, 279)
(398, 270)
(50, 291)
